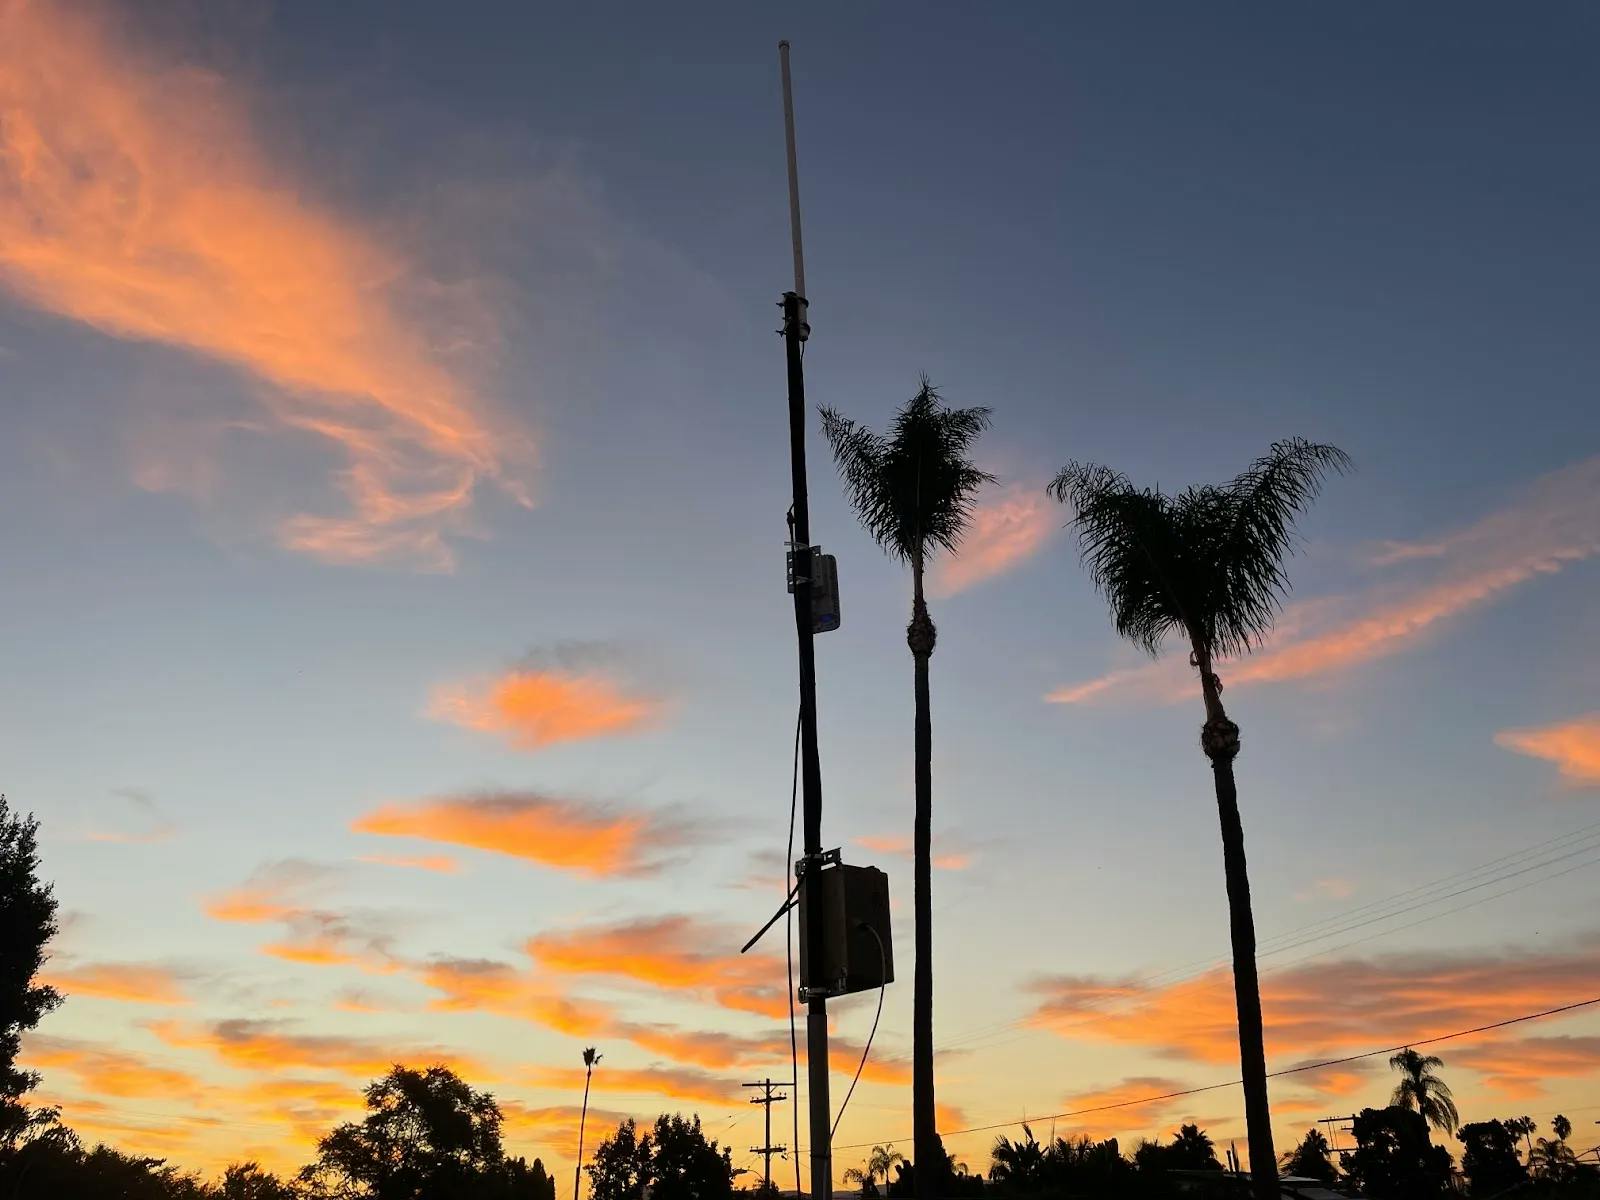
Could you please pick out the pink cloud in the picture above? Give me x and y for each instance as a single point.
(1005, 532)
(1574, 746)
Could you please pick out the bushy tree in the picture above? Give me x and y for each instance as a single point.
(1489, 1157)
(27, 922)
(1393, 1158)
(675, 1161)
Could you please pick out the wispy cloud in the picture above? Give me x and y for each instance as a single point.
(1553, 524)
(944, 858)
(273, 1046)
(1323, 1007)
(1006, 531)
(534, 709)
(1574, 746)
(581, 836)
(1124, 1107)
(282, 892)
(136, 198)
(134, 983)
(439, 864)
(677, 952)
(673, 1083)
(107, 1071)
(148, 825)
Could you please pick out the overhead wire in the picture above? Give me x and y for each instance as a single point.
(1212, 1087)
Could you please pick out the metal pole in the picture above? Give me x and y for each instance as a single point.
(795, 330)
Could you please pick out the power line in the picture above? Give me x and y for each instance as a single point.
(1212, 1087)
(1293, 939)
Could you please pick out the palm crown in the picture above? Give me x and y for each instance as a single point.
(1207, 562)
(913, 487)
(1423, 1091)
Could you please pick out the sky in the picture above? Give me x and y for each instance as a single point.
(392, 492)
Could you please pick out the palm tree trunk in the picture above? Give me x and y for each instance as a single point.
(583, 1119)
(920, 636)
(1220, 740)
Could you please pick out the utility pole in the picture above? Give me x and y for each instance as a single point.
(1333, 1129)
(795, 331)
(767, 1149)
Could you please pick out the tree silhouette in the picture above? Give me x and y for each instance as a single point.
(426, 1134)
(1207, 565)
(1489, 1157)
(1522, 1127)
(880, 1161)
(247, 1181)
(1552, 1160)
(1312, 1158)
(913, 491)
(674, 1161)
(1017, 1166)
(1561, 1127)
(1393, 1159)
(27, 922)
(1422, 1091)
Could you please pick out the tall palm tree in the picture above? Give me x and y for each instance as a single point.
(589, 1060)
(913, 491)
(1521, 1127)
(1423, 1091)
(1207, 565)
(1561, 1127)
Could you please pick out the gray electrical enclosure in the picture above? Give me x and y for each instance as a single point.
(852, 904)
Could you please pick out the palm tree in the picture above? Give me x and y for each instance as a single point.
(589, 1060)
(1552, 1160)
(913, 491)
(879, 1162)
(1422, 1091)
(1017, 1166)
(1207, 565)
(1523, 1127)
(1561, 1127)
(1311, 1159)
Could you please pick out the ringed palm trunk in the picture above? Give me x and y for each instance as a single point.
(1220, 740)
(920, 637)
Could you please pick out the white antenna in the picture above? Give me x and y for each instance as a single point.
(794, 173)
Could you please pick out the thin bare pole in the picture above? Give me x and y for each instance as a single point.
(794, 173)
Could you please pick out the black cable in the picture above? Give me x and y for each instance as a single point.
(883, 974)
(788, 949)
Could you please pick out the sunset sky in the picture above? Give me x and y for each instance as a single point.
(393, 468)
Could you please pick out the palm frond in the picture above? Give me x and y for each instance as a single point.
(1208, 561)
(914, 488)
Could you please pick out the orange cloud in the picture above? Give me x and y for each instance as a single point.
(571, 835)
(441, 864)
(1554, 524)
(1521, 1068)
(476, 984)
(136, 199)
(107, 1072)
(1322, 1008)
(1574, 746)
(533, 709)
(136, 983)
(1005, 532)
(674, 1083)
(556, 1126)
(676, 953)
(273, 891)
(267, 1046)
(901, 846)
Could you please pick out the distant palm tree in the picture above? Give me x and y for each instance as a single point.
(913, 491)
(1207, 565)
(589, 1060)
(879, 1162)
(1424, 1092)
(1552, 1160)
(1521, 1127)
(1017, 1166)
(1561, 1127)
(1193, 1147)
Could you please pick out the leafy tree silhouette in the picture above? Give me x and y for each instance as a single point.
(1207, 565)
